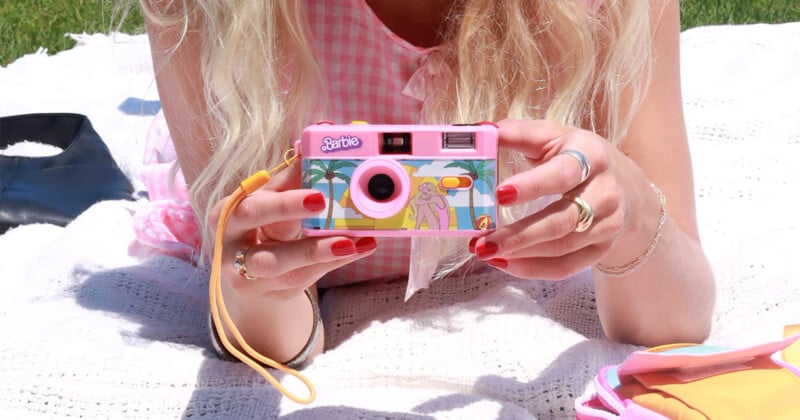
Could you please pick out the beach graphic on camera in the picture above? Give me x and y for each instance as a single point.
(443, 195)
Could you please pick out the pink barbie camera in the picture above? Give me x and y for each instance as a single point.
(401, 180)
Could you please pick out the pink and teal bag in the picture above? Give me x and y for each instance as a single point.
(689, 381)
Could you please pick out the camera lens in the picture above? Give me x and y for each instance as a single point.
(381, 187)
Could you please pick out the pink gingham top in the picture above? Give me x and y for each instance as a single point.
(372, 74)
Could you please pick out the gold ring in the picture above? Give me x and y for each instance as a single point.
(585, 216)
(585, 166)
(238, 264)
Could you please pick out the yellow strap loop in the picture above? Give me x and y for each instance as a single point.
(219, 313)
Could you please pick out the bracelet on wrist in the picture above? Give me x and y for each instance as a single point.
(302, 357)
(632, 266)
(297, 361)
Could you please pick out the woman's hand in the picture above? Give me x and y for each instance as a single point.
(549, 244)
(265, 227)
(266, 266)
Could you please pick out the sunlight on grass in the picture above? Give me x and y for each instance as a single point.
(733, 12)
(27, 25)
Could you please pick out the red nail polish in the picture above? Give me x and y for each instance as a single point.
(314, 202)
(343, 247)
(366, 244)
(507, 194)
(472, 245)
(498, 263)
(486, 249)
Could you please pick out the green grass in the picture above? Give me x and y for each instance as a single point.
(26, 25)
(733, 12)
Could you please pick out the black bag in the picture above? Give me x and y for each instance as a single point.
(55, 189)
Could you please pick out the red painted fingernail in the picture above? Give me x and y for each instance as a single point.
(343, 247)
(366, 244)
(507, 194)
(472, 245)
(498, 263)
(486, 249)
(314, 202)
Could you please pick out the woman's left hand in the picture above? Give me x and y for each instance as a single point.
(564, 237)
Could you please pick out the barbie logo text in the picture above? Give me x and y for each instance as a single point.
(345, 142)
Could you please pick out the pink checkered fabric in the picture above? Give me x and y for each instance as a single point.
(167, 223)
(159, 161)
(372, 74)
(366, 65)
(376, 76)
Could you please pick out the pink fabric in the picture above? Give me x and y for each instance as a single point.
(372, 74)
(167, 223)
(376, 76)
(159, 161)
(169, 227)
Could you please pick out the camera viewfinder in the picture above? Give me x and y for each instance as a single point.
(396, 144)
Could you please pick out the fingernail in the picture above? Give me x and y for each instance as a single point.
(314, 202)
(472, 245)
(486, 249)
(498, 263)
(507, 194)
(366, 244)
(343, 247)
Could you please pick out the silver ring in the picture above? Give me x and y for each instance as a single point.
(585, 166)
(585, 216)
(238, 264)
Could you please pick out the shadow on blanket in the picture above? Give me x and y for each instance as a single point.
(167, 307)
(165, 310)
(528, 394)
(383, 302)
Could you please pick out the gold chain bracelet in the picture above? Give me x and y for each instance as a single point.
(635, 264)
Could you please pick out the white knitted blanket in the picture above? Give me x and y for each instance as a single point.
(92, 327)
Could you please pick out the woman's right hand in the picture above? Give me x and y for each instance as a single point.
(267, 224)
(271, 310)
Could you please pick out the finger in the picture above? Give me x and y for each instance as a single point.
(553, 177)
(549, 268)
(568, 244)
(264, 208)
(551, 231)
(558, 173)
(282, 231)
(560, 247)
(602, 234)
(301, 278)
(532, 138)
(282, 263)
(286, 179)
(553, 222)
(309, 275)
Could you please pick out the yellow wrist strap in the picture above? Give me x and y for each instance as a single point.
(219, 313)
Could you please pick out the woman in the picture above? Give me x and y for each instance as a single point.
(587, 99)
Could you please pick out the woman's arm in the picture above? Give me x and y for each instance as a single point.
(272, 312)
(671, 297)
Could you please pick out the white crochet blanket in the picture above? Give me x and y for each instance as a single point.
(93, 328)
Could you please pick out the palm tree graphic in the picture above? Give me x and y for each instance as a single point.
(328, 169)
(478, 171)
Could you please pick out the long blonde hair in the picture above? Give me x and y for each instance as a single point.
(578, 62)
